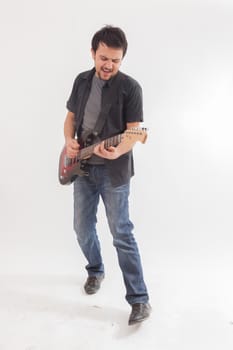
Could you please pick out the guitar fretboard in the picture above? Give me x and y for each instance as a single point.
(88, 151)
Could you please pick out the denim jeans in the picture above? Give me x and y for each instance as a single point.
(87, 192)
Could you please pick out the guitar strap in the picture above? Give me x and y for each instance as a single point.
(101, 119)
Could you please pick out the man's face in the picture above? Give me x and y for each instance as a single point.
(107, 61)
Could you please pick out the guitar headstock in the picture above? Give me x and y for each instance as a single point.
(136, 134)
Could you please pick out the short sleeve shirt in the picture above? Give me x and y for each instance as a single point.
(124, 94)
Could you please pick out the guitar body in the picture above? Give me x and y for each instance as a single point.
(70, 168)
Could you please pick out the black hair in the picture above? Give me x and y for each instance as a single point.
(110, 36)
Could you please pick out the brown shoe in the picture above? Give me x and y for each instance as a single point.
(93, 283)
(140, 312)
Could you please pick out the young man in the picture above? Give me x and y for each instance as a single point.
(103, 103)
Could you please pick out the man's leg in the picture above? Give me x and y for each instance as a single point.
(116, 205)
(86, 198)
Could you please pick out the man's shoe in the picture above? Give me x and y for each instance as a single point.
(140, 312)
(93, 283)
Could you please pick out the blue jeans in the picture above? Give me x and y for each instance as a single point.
(87, 192)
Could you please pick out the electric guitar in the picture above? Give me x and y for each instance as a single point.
(69, 168)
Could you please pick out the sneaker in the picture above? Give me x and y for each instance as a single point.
(93, 283)
(140, 312)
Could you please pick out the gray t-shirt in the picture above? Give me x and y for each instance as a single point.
(92, 111)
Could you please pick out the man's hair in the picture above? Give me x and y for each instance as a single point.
(112, 37)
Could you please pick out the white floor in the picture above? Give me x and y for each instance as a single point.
(43, 306)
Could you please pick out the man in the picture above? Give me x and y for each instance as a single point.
(105, 102)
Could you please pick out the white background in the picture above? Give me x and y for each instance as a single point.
(181, 52)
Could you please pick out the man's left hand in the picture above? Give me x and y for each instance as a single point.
(110, 153)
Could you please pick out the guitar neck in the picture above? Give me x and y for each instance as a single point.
(88, 151)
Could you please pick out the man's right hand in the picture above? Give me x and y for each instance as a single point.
(72, 147)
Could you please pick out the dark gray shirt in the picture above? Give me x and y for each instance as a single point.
(124, 96)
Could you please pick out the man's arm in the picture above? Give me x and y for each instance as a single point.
(116, 152)
(72, 146)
